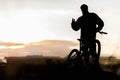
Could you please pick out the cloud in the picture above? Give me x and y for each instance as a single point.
(51, 47)
(46, 48)
(7, 44)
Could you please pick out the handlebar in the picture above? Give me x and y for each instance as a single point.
(101, 32)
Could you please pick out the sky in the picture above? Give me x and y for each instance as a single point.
(25, 21)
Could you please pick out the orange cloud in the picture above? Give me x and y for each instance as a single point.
(10, 44)
(45, 48)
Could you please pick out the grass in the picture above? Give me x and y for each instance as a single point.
(44, 68)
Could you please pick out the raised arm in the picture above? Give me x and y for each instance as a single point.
(75, 25)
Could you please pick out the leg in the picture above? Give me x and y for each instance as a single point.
(93, 49)
(85, 53)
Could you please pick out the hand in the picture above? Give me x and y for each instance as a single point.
(74, 25)
(73, 20)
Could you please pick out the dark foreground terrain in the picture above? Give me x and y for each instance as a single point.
(54, 68)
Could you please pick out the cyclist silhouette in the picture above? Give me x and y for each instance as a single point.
(90, 24)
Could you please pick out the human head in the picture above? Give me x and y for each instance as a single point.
(84, 8)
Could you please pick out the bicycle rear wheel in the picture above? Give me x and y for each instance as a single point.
(98, 49)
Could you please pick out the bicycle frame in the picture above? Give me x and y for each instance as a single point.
(77, 55)
(96, 41)
(80, 43)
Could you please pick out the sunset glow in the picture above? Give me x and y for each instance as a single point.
(25, 22)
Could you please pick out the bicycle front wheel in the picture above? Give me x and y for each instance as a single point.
(74, 59)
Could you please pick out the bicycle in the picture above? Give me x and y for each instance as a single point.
(76, 57)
